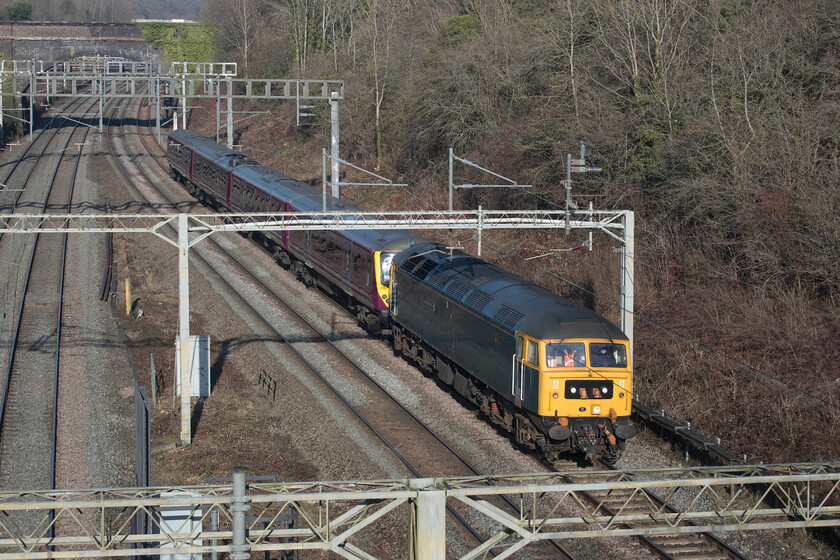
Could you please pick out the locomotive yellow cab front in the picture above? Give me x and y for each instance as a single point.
(585, 378)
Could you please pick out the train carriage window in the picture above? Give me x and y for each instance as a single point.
(319, 243)
(533, 354)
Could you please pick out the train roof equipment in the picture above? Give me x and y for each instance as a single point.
(501, 296)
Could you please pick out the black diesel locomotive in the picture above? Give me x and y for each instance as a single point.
(555, 375)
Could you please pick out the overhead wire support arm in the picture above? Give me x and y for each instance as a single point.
(250, 115)
(513, 184)
(337, 184)
(575, 166)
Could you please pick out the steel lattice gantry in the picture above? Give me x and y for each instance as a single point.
(112, 78)
(337, 516)
(617, 224)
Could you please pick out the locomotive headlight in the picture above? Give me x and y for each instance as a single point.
(604, 390)
(573, 390)
(596, 409)
(621, 395)
(554, 396)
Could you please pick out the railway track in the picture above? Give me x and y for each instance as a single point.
(389, 420)
(384, 415)
(30, 405)
(693, 546)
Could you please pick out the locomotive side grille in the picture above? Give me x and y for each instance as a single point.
(457, 290)
(508, 316)
(477, 300)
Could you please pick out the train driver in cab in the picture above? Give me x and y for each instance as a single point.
(570, 354)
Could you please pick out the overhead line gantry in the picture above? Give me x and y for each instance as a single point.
(109, 78)
(333, 516)
(191, 229)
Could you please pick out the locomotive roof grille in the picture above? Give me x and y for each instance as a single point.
(508, 316)
(478, 299)
(438, 280)
(457, 290)
(418, 266)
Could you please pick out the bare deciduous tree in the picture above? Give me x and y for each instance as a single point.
(380, 17)
(241, 24)
(648, 43)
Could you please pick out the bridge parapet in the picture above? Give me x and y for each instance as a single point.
(329, 515)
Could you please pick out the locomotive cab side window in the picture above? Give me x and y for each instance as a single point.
(533, 353)
(520, 347)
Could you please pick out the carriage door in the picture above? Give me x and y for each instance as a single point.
(347, 260)
(518, 369)
(525, 370)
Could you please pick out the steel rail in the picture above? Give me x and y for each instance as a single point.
(324, 338)
(54, 444)
(559, 548)
(6, 385)
(307, 364)
(663, 549)
(54, 413)
(105, 285)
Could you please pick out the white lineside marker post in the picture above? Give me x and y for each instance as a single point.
(184, 327)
